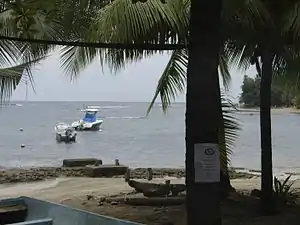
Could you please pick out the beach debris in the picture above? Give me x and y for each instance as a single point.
(117, 162)
(127, 175)
(102, 199)
(149, 173)
(100, 204)
(64, 200)
(114, 203)
(155, 202)
(21, 129)
(89, 197)
(157, 190)
(22, 145)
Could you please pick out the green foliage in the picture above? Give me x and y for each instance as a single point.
(156, 22)
(250, 91)
(228, 132)
(296, 101)
(250, 95)
(284, 193)
(40, 19)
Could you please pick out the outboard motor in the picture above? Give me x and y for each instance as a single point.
(69, 134)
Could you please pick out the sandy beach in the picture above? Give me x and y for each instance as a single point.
(86, 193)
(109, 195)
(64, 188)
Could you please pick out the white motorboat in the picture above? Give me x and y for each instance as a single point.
(89, 121)
(65, 132)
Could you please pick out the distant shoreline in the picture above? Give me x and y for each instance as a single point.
(287, 110)
(24, 175)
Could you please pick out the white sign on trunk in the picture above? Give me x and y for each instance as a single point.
(207, 162)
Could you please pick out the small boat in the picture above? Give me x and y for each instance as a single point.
(65, 132)
(89, 121)
(31, 211)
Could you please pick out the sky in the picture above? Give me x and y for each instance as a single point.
(136, 83)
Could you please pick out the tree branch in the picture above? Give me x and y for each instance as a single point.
(129, 46)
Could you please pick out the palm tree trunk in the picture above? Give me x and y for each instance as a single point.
(265, 132)
(202, 110)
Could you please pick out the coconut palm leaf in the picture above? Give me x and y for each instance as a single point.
(11, 76)
(228, 132)
(123, 22)
(224, 69)
(74, 59)
(35, 19)
(173, 80)
(153, 22)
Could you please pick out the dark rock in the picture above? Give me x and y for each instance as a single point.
(256, 193)
(149, 174)
(81, 162)
(102, 199)
(89, 197)
(106, 171)
(127, 175)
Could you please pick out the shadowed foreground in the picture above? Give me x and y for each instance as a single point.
(238, 209)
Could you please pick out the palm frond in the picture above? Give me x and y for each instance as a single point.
(173, 79)
(74, 59)
(228, 131)
(11, 76)
(224, 69)
(151, 22)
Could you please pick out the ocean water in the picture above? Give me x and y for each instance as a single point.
(130, 136)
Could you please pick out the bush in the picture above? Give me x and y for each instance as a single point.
(284, 193)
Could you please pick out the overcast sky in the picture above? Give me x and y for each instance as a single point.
(136, 83)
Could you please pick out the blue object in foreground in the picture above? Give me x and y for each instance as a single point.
(30, 211)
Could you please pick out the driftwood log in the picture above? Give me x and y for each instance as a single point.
(157, 190)
(142, 201)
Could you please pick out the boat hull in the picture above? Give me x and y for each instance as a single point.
(67, 139)
(38, 212)
(64, 133)
(85, 126)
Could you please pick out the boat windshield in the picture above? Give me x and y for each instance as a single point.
(90, 117)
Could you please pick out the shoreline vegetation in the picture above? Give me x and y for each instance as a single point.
(281, 110)
(21, 175)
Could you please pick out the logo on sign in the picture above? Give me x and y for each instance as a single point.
(209, 151)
